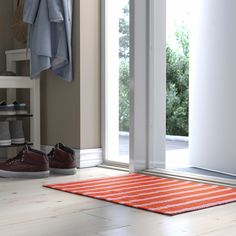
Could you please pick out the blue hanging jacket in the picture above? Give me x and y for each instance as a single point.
(49, 39)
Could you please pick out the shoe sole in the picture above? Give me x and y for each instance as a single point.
(18, 141)
(7, 113)
(71, 171)
(23, 112)
(32, 175)
(5, 142)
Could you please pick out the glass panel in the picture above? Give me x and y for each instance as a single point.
(124, 81)
(117, 82)
(178, 26)
(177, 83)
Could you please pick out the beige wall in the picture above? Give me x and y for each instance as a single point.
(16, 43)
(70, 112)
(6, 41)
(90, 73)
(59, 111)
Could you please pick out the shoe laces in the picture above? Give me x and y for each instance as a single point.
(51, 153)
(19, 157)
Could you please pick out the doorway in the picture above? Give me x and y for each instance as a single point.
(179, 26)
(147, 133)
(178, 23)
(116, 80)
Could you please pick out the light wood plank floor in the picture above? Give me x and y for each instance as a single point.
(26, 208)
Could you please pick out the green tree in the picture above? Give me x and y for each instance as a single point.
(124, 33)
(177, 73)
(124, 70)
(124, 102)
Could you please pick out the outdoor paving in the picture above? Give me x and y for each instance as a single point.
(173, 149)
(176, 157)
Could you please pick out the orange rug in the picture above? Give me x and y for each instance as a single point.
(161, 195)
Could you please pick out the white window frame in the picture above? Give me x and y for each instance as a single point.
(148, 84)
(157, 83)
(138, 85)
(147, 94)
(109, 101)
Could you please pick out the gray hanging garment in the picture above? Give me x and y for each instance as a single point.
(50, 28)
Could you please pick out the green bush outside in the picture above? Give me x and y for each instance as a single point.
(177, 85)
(177, 73)
(124, 80)
(124, 96)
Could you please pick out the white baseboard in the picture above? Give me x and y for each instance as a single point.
(84, 158)
(157, 164)
(89, 157)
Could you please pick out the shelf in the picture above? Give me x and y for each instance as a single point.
(16, 145)
(17, 115)
(19, 82)
(11, 83)
(18, 54)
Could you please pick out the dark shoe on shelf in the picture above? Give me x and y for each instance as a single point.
(20, 108)
(7, 109)
(7, 73)
(62, 160)
(5, 137)
(28, 163)
(16, 131)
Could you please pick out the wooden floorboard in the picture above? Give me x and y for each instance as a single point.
(26, 208)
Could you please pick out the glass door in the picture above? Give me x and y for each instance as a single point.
(116, 80)
(178, 20)
(168, 96)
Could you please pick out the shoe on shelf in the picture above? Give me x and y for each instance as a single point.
(20, 108)
(28, 163)
(7, 109)
(62, 160)
(7, 73)
(5, 137)
(16, 131)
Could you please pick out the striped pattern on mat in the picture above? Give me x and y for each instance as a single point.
(162, 195)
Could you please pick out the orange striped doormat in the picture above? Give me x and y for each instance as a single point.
(162, 195)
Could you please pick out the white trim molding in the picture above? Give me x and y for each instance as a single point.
(110, 78)
(84, 157)
(148, 84)
(138, 85)
(89, 157)
(191, 177)
(157, 84)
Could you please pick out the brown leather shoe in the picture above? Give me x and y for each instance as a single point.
(28, 163)
(62, 160)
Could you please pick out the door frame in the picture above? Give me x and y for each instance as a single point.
(105, 101)
(148, 84)
(147, 94)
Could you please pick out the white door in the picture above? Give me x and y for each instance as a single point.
(212, 86)
(115, 81)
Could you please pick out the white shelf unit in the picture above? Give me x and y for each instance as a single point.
(11, 83)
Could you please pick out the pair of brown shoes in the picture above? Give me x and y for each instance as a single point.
(31, 163)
